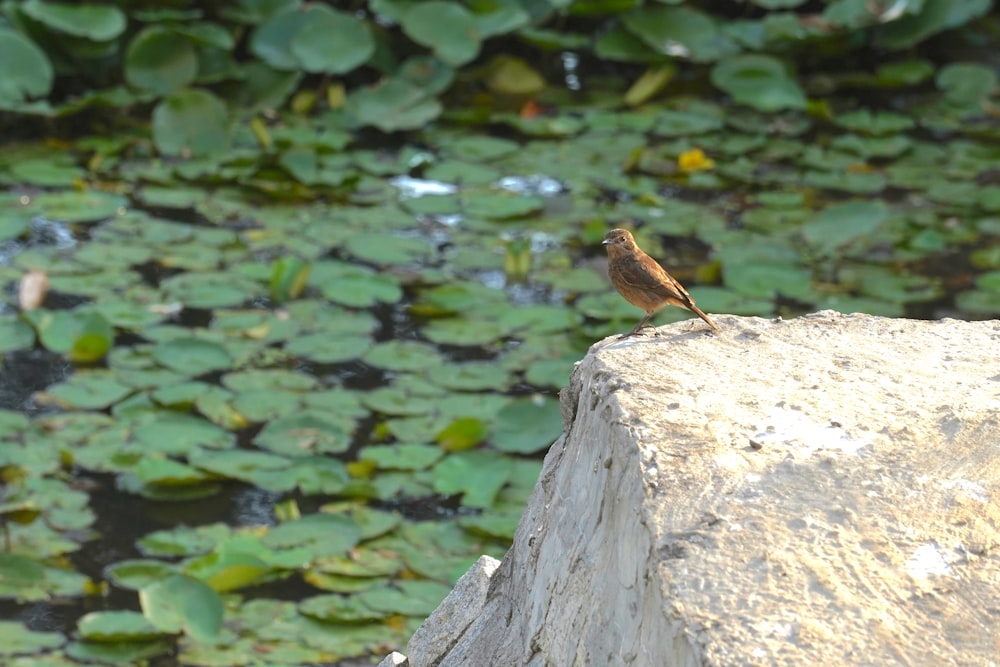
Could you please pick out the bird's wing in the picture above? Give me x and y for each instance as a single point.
(651, 277)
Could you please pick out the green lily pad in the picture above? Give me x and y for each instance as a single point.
(116, 626)
(447, 28)
(15, 335)
(354, 286)
(413, 598)
(137, 573)
(124, 653)
(402, 457)
(842, 224)
(502, 205)
(470, 376)
(165, 472)
(339, 609)
(210, 290)
(174, 433)
(395, 104)
(192, 356)
(26, 72)
(16, 639)
(527, 425)
(758, 81)
(191, 122)
(99, 23)
(80, 207)
(880, 122)
(316, 52)
(329, 349)
(382, 249)
(160, 60)
(323, 534)
(403, 355)
(90, 390)
(305, 433)
(477, 475)
(680, 32)
(462, 434)
(181, 603)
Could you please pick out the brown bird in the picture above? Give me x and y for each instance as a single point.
(642, 281)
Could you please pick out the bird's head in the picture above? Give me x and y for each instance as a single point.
(619, 242)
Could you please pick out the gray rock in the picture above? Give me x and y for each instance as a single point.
(394, 659)
(822, 491)
(444, 628)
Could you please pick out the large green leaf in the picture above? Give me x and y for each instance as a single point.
(160, 60)
(445, 27)
(838, 225)
(527, 425)
(759, 81)
(91, 20)
(332, 41)
(191, 122)
(181, 603)
(680, 32)
(25, 70)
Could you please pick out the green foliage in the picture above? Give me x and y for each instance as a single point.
(391, 64)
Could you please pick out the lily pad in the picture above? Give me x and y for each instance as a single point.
(477, 475)
(402, 457)
(192, 356)
(17, 639)
(181, 603)
(842, 224)
(758, 81)
(116, 626)
(90, 390)
(448, 28)
(191, 122)
(527, 425)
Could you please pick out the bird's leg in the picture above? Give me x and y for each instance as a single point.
(638, 327)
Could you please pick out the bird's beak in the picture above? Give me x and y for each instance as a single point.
(606, 242)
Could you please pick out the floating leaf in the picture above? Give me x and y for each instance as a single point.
(403, 355)
(90, 390)
(25, 71)
(181, 603)
(116, 626)
(17, 639)
(93, 21)
(680, 32)
(191, 122)
(339, 609)
(79, 207)
(478, 476)
(315, 51)
(160, 60)
(841, 224)
(15, 334)
(445, 27)
(137, 573)
(305, 433)
(462, 434)
(527, 425)
(192, 356)
(323, 534)
(381, 249)
(758, 81)
(413, 598)
(402, 457)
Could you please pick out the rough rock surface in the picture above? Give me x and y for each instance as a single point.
(821, 491)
